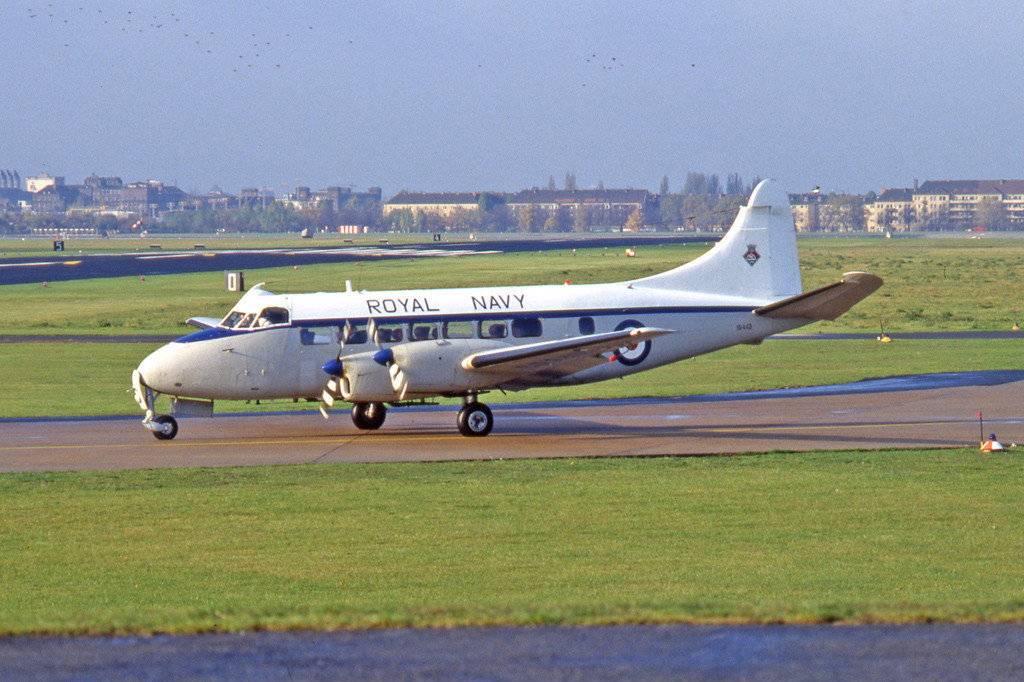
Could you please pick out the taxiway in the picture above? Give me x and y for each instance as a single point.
(899, 412)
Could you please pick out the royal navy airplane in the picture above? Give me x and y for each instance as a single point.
(375, 349)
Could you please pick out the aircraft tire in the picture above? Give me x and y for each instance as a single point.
(369, 416)
(475, 420)
(170, 422)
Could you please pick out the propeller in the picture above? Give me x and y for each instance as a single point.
(334, 369)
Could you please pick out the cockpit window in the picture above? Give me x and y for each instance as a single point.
(232, 319)
(246, 321)
(272, 316)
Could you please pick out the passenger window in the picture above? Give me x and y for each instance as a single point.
(424, 332)
(526, 327)
(457, 329)
(317, 336)
(356, 335)
(586, 326)
(493, 329)
(390, 333)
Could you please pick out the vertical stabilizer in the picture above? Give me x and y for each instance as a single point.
(757, 257)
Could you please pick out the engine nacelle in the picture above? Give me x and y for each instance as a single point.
(365, 381)
(427, 368)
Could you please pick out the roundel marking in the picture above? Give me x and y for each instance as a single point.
(635, 354)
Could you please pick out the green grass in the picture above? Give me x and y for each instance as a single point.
(901, 536)
(69, 379)
(820, 537)
(931, 285)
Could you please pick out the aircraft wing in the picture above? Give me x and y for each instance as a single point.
(203, 322)
(827, 302)
(552, 359)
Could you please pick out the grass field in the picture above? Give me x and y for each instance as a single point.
(886, 536)
(817, 537)
(931, 285)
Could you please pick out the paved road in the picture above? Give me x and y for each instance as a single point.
(982, 653)
(62, 267)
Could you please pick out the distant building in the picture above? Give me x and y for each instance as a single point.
(54, 198)
(441, 204)
(333, 198)
(611, 207)
(892, 210)
(11, 194)
(151, 198)
(955, 203)
(806, 209)
(105, 192)
(38, 182)
(948, 205)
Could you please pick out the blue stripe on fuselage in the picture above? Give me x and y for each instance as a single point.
(221, 332)
(213, 333)
(520, 314)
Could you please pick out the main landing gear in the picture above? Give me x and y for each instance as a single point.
(475, 419)
(369, 416)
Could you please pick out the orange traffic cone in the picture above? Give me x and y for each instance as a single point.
(991, 445)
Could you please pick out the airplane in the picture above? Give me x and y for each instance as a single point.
(376, 349)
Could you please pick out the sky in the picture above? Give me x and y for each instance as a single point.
(474, 95)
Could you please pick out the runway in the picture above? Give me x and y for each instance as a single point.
(935, 410)
(154, 261)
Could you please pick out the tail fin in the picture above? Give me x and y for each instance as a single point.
(757, 257)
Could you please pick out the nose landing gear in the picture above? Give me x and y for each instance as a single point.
(163, 426)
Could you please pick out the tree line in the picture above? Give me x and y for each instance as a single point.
(703, 203)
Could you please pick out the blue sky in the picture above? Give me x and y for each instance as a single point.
(465, 96)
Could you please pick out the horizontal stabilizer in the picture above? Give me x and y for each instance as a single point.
(826, 303)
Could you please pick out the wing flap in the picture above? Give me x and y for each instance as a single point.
(560, 357)
(827, 302)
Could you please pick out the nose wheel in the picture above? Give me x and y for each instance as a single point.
(475, 419)
(163, 426)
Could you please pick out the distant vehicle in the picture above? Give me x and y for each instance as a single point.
(375, 349)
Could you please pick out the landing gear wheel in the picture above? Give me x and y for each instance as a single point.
(475, 419)
(369, 416)
(170, 425)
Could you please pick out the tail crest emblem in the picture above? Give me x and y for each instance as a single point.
(751, 256)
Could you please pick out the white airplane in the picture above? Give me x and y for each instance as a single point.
(374, 349)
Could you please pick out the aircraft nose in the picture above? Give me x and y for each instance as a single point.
(161, 369)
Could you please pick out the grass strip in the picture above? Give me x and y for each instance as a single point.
(890, 536)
